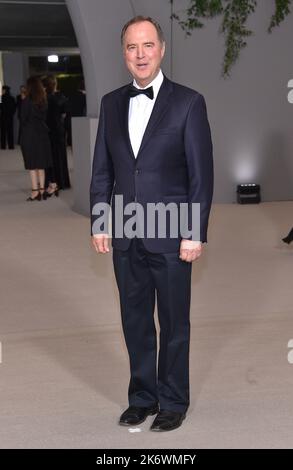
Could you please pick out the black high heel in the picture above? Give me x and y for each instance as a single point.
(43, 195)
(37, 198)
(56, 192)
(289, 237)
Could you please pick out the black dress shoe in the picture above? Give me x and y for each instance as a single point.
(137, 414)
(289, 237)
(167, 420)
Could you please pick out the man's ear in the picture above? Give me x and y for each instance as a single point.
(163, 49)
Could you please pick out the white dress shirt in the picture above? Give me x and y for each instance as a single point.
(140, 109)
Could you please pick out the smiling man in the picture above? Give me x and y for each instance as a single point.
(143, 49)
(153, 146)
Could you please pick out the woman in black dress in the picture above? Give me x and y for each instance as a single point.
(34, 140)
(57, 177)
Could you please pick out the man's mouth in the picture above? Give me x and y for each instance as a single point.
(142, 66)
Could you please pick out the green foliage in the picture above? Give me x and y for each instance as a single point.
(281, 11)
(235, 15)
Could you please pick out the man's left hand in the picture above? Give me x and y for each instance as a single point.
(190, 250)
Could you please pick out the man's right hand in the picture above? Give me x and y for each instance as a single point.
(100, 242)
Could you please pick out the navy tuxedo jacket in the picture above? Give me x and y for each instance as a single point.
(174, 162)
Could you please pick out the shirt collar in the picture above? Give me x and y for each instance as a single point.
(156, 83)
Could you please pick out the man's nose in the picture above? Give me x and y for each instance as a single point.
(140, 53)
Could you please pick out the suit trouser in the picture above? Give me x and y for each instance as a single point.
(140, 275)
(7, 133)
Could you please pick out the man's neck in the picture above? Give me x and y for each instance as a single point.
(145, 84)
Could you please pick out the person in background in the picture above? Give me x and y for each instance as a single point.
(34, 140)
(76, 108)
(57, 176)
(7, 110)
(289, 237)
(19, 100)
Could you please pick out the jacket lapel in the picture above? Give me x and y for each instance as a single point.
(158, 111)
(123, 110)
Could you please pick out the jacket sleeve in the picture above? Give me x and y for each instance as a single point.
(102, 181)
(199, 157)
(25, 111)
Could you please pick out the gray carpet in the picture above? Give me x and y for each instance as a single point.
(64, 371)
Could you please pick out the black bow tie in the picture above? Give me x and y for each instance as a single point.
(133, 91)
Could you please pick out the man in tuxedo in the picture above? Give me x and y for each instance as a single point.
(153, 146)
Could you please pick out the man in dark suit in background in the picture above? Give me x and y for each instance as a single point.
(153, 146)
(7, 110)
(76, 108)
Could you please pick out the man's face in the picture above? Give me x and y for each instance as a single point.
(143, 52)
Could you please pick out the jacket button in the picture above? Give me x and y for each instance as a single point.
(137, 171)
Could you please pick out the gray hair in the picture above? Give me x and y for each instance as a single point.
(140, 19)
